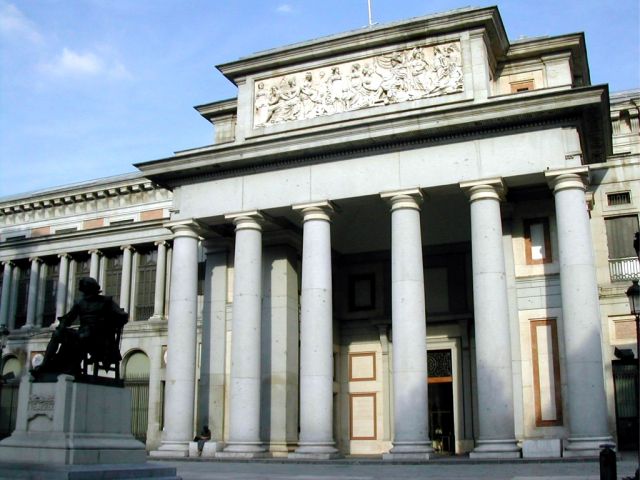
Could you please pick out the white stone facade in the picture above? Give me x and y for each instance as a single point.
(423, 269)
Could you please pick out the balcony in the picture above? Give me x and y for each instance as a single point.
(624, 269)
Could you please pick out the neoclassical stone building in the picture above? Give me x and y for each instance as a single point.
(406, 239)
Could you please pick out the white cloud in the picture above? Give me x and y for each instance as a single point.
(14, 24)
(284, 8)
(75, 64)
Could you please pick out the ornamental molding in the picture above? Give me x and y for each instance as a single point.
(395, 77)
(29, 204)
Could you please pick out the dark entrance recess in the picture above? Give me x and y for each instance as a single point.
(441, 401)
(625, 381)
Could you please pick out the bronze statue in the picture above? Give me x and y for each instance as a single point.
(96, 341)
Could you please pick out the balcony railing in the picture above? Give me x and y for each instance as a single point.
(622, 269)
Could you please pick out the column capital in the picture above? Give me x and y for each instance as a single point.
(249, 220)
(64, 255)
(185, 228)
(316, 210)
(565, 178)
(486, 188)
(128, 247)
(8, 262)
(407, 198)
(95, 252)
(161, 243)
(35, 259)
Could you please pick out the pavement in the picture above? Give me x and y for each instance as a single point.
(373, 469)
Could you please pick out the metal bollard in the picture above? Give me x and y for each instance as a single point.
(608, 470)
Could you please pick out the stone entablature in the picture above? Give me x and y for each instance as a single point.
(83, 207)
(410, 74)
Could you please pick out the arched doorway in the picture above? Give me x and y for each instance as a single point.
(9, 384)
(136, 379)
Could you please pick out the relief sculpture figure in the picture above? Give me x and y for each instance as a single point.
(394, 77)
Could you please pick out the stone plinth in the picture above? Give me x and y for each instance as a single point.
(70, 423)
(542, 448)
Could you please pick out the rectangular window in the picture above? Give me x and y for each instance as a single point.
(521, 86)
(113, 277)
(618, 198)
(23, 295)
(537, 240)
(623, 262)
(50, 293)
(146, 284)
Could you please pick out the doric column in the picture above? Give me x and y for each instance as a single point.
(496, 431)
(409, 329)
(316, 335)
(32, 302)
(244, 416)
(5, 298)
(161, 271)
(580, 316)
(94, 265)
(125, 282)
(63, 284)
(181, 358)
(42, 281)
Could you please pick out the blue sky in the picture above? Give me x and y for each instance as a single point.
(89, 87)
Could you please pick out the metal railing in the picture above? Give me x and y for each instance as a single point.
(622, 269)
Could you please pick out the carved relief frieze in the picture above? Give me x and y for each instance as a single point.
(400, 76)
(40, 405)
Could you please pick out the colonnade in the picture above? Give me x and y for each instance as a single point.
(495, 437)
(66, 280)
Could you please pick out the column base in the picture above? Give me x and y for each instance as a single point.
(243, 450)
(410, 451)
(171, 450)
(315, 451)
(496, 449)
(157, 319)
(209, 450)
(585, 446)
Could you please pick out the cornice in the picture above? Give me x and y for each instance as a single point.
(346, 138)
(371, 37)
(214, 110)
(74, 194)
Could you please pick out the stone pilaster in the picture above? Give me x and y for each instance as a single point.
(409, 330)
(181, 359)
(244, 418)
(316, 335)
(496, 432)
(586, 399)
(214, 341)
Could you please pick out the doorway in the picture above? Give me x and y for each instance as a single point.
(441, 402)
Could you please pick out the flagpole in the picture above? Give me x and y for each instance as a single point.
(369, 5)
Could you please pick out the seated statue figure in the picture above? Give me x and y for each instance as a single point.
(94, 341)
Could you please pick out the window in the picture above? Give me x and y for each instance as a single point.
(23, 295)
(113, 277)
(618, 198)
(146, 284)
(521, 86)
(623, 262)
(537, 241)
(50, 292)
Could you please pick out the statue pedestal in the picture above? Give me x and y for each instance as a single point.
(69, 423)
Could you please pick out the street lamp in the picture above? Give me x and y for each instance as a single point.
(633, 293)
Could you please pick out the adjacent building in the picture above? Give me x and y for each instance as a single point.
(405, 240)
